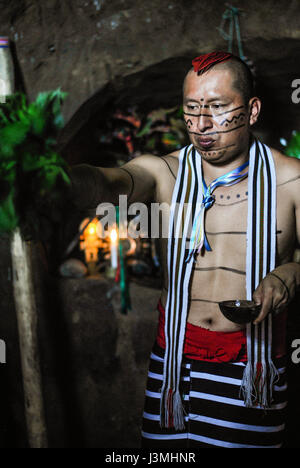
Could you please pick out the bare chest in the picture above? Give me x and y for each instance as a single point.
(225, 226)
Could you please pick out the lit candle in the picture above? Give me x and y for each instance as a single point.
(114, 248)
(92, 229)
(90, 243)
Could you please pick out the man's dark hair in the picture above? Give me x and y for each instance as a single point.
(243, 78)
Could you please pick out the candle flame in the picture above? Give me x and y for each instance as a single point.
(92, 229)
(113, 235)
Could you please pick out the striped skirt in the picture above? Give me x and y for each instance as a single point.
(215, 414)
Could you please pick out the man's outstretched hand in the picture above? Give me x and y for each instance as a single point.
(86, 189)
(84, 192)
(277, 289)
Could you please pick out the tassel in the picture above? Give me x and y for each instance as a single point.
(178, 412)
(166, 409)
(172, 411)
(274, 377)
(169, 406)
(258, 375)
(260, 383)
(247, 387)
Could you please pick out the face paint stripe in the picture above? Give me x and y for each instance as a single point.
(207, 115)
(216, 133)
(216, 149)
(200, 115)
(235, 117)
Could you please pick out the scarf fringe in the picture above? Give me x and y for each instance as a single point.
(247, 388)
(258, 389)
(172, 411)
(262, 388)
(274, 377)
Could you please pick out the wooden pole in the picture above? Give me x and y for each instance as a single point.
(27, 327)
(24, 297)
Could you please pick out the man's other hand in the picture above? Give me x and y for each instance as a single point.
(277, 290)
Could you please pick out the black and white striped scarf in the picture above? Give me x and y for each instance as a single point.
(260, 372)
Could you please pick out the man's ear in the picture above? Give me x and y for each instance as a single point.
(254, 107)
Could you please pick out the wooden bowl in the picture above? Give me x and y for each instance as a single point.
(240, 311)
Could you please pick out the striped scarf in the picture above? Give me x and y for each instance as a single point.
(260, 372)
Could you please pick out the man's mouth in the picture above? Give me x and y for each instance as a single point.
(205, 142)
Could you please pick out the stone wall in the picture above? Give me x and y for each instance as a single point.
(84, 45)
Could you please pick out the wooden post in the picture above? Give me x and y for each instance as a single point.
(27, 327)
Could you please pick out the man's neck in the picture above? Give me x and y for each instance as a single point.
(212, 171)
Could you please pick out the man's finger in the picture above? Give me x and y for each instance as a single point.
(257, 296)
(266, 306)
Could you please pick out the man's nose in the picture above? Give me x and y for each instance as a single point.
(205, 122)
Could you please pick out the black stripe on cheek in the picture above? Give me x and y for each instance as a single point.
(216, 133)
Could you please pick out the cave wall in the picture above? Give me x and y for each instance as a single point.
(83, 46)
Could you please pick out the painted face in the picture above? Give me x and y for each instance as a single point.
(216, 116)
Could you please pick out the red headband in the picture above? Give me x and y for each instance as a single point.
(204, 62)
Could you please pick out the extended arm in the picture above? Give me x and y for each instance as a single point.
(93, 185)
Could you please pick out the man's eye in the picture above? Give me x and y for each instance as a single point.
(216, 106)
(192, 108)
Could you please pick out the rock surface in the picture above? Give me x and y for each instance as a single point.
(73, 268)
(138, 51)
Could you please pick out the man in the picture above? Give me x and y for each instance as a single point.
(213, 382)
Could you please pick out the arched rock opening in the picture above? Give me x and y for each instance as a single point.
(160, 86)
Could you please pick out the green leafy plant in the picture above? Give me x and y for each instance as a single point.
(293, 148)
(32, 174)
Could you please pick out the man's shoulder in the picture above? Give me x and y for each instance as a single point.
(146, 161)
(287, 167)
(155, 163)
(174, 156)
(147, 157)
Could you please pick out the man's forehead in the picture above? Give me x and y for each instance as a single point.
(215, 81)
(215, 97)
